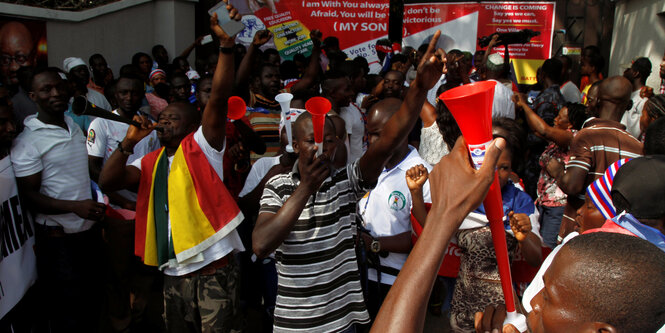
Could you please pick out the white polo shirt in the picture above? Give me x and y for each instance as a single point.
(386, 210)
(105, 135)
(60, 155)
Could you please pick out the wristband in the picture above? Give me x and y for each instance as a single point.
(126, 152)
(226, 50)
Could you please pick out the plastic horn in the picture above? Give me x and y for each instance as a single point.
(471, 106)
(318, 107)
(237, 108)
(81, 106)
(284, 100)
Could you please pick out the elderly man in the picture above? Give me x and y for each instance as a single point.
(16, 49)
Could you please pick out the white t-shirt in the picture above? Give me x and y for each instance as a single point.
(631, 118)
(259, 170)
(224, 246)
(105, 135)
(570, 92)
(355, 128)
(61, 157)
(386, 210)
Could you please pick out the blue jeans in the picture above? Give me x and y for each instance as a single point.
(550, 222)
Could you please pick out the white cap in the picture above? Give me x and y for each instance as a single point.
(495, 59)
(72, 62)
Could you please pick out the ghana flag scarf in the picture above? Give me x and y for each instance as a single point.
(190, 197)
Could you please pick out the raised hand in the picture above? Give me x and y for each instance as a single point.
(492, 320)
(432, 65)
(456, 172)
(315, 170)
(261, 37)
(224, 39)
(520, 224)
(136, 134)
(317, 37)
(416, 177)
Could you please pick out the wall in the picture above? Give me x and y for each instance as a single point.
(117, 30)
(639, 30)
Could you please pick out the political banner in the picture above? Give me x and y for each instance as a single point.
(18, 269)
(358, 24)
(463, 23)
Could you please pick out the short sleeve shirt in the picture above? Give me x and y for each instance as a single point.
(61, 157)
(600, 143)
(386, 210)
(225, 245)
(316, 264)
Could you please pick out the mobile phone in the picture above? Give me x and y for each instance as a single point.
(206, 39)
(231, 27)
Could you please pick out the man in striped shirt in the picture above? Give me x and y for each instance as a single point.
(308, 217)
(600, 143)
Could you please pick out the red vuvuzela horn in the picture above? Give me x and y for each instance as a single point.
(471, 105)
(237, 108)
(318, 107)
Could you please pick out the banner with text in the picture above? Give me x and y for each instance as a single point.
(356, 23)
(462, 23)
(18, 270)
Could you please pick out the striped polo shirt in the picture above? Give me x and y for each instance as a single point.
(599, 144)
(264, 120)
(318, 279)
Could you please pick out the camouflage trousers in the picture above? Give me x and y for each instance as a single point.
(203, 303)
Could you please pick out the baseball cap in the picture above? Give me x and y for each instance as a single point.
(639, 187)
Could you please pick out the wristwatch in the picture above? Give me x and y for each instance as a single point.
(375, 246)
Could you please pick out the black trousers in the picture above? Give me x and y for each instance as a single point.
(69, 278)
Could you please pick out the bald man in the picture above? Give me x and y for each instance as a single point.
(600, 143)
(16, 50)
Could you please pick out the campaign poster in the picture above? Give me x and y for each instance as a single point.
(463, 23)
(18, 270)
(22, 43)
(358, 24)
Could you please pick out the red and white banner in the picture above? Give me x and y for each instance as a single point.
(462, 23)
(356, 23)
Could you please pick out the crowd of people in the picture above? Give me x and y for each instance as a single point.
(180, 219)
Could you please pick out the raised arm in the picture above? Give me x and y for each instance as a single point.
(272, 228)
(561, 137)
(312, 70)
(428, 114)
(400, 124)
(186, 52)
(116, 174)
(457, 188)
(213, 122)
(245, 69)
